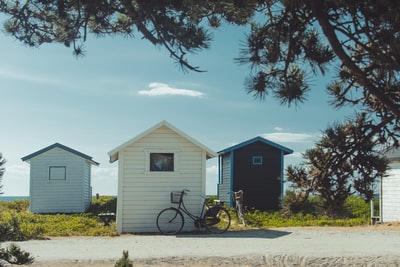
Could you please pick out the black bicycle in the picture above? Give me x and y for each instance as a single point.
(214, 218)
(237, 198)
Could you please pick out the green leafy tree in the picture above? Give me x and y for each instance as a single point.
(2, 171)
(337, 168)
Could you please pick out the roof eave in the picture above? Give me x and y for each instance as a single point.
(286, 150)
(114, 154)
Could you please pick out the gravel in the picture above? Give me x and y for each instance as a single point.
(297, 246)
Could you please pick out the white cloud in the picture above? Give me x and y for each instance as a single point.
(18, 169)
(16, 180)
(282, 137)
(212, 170)
(27, 77)
(105, 180)
(161, 89)
(278, 129)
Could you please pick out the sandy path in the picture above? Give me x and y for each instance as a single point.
(314, 246)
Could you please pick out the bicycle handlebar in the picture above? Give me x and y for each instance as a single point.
(233, 192)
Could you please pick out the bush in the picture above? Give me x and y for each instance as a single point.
(356, 207)
(103, 204)
(15, 206)
(124, 261)
(297, 202)
(14, 255)
(10, 230)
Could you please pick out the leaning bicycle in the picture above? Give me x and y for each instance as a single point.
(214, 218)
(237, 198)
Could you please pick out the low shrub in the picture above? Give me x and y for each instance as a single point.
(14, 255)
(103, 204)
(356, 207)
(17, 223)
(124, 261)
(10, 229)
(15, 206)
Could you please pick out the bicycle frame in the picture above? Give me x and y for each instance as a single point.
(215, 218)
(195, 218)
(237, 198)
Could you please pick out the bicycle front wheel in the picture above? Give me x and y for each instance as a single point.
(170, 221)
(217, 220)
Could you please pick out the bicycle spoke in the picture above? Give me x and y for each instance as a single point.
(217, 222)
(170, 221)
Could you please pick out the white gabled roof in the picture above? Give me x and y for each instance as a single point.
(114, 154)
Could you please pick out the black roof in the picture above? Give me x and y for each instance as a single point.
(58, 145)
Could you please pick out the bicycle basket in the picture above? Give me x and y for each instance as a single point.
(176, 197)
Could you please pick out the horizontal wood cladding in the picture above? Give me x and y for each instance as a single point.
(261, 183)
(71, 194)
(145, 193)
(391, 195)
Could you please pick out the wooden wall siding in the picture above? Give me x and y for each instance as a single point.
(142, 194)
(224, 185)
(391, 194)
(50, 196)
(86, 186)
(261, 183)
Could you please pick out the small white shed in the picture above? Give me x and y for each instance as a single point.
(390, 195)
(150, 166)
(60, 180)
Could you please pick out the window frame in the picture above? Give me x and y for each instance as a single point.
(175, 154)
(257, 160)
(167, 166)
(51, 177)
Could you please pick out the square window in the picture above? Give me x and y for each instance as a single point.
(161, 162)
(57, 173)
(257, 160)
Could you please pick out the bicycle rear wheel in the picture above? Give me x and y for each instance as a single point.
(170, 221)
(217, 220)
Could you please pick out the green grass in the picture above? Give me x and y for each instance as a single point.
(17, 223)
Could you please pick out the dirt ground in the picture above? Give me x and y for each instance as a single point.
(376, 245)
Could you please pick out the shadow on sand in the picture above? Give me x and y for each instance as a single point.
(251, 233)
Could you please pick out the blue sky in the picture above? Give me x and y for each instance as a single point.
(124, 86)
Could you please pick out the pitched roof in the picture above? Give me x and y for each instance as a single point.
(114, 154)
(58, 145)
(285, 150)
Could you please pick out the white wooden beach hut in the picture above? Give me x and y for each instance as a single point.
(390, 191)
(150, 166)
(60, 180)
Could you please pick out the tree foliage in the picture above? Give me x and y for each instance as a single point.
(357, 42)
(174, 24)
(360, 40)
(289, 42)
(337, 167)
